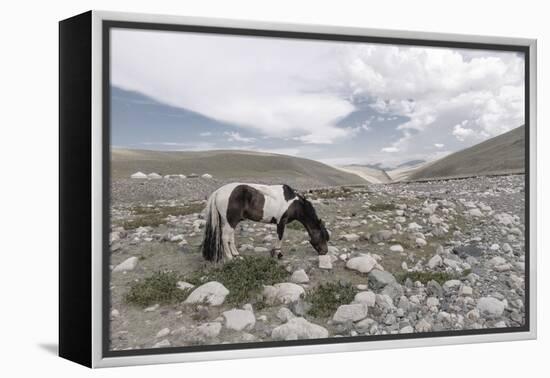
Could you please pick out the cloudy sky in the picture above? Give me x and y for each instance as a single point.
(331, 101)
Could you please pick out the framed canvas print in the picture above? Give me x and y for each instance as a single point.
(235, 189)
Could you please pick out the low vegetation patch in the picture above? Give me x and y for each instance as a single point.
(295, 225)
(244, 277)
(160, 288)
(327, 297)
(342, 192)
(425, 277)
(154, 216)
(382, 207)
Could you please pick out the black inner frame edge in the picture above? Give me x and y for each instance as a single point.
(107, 25)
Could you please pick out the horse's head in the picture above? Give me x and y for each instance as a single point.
(315, 227)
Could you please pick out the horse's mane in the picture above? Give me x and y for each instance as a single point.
(312, 214)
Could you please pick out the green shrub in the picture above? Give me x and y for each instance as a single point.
(243, 277)
(160, 288)
(327, 297)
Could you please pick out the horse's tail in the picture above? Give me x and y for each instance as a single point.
(212, 245)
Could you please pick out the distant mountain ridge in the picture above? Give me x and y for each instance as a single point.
(230, 164)
(410, 163)
(503, 154)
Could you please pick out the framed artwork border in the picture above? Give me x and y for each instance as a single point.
(103, 22)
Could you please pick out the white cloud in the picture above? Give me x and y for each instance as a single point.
(236, 137)
(462, 133)
(439, 87)
(390, 149)
(205, 134)
(298, 90)
(277, 90)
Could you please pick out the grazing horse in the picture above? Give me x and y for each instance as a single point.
(278, 204)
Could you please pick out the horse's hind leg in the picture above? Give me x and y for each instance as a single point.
(227, 232)
(232, 245)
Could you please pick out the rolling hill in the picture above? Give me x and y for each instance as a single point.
(229, 164)
(503, 154)
(372, 175)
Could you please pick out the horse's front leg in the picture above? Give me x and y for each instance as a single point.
(278, 244)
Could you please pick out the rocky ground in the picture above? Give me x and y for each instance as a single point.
(403, 258)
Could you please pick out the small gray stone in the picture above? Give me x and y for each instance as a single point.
(451, 285)
(366, 297)
(182, 285)
(381, 236)
(325, 262)
(128, 264)
(490, 306)
(284, 293)
(152, 308)
(299, 276)
(435, 261)
(239, 320)
(210, 330)
(163, 333)
(363, 264)
(162, 344)
(284, 314)
(432, 302)
(350, 237)
(300, 307)
(379, 278)
(396, 248)
(393, 289)
(406, 329)
(434, 288)
(423, 326)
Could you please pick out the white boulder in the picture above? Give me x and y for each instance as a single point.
(325, 262)
(396, 248)
(351, 312)
(285, 293)
(128, 264)
(363, 264)
(365, 297)
(490, 306)
(239, 320)
(139, 175)
(154, 176)
(212, 292)
(299, 329)
(299, 276)
(350, 237)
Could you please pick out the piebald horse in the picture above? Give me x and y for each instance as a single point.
(277, 204)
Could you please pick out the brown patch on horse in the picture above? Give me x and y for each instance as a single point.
(245, 202)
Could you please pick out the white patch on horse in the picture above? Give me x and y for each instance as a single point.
(275, 204)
